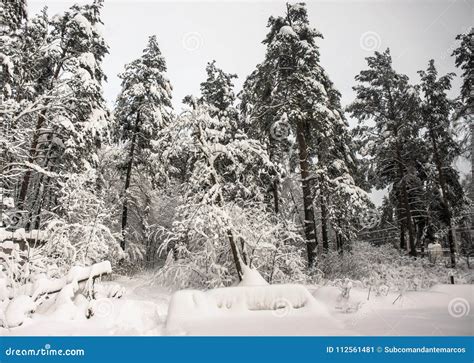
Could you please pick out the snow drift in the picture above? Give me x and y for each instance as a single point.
(254, 296)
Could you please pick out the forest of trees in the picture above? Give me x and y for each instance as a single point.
(271, 177)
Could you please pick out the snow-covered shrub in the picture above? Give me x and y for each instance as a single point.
(45, 287)
(151, 210)
(223, 221)
(199, 254)
(385, 268)
(80, 232)
(19, 268)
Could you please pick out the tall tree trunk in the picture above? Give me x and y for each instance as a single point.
(324, 224)
(409, 220)
(420, 236)
(276, 201)
(235, 254)
(447, 209)
(406, 205)
(31, 158)
(34, 144)
(472, 185)
(403, 243)
(309, 221)
(128, 178)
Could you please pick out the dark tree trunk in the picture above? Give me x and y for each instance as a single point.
(235, 254)
(309, 224)
(403, 244)
(276, 202)
(442, 183)
(128, 178)
(324, 225)
(339, 243)
(34, 144)
(406, 205)
(31, 158)
(409, 220)
(472, 173)
(420, 236)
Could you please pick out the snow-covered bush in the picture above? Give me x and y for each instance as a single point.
(28, 284)
(200, 255)
(20, 267)
(80, 232)
(384, 267)
(223, 221)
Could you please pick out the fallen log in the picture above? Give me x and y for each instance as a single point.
(46, 286)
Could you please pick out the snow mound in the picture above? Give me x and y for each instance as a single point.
(18, 309)
(192, 306)
(251, 277)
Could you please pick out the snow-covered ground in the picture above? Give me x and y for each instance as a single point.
(143, 309)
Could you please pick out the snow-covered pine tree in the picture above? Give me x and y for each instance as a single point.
(27, 87)
(385, 98)
(464, 58)
(12, 14)
(12, 17)
(436, 110)
(341, 199)
(143, 108)
(291, 87)
(218, 91)
(258, 117)
(56, 105)
(70, 114)
(292, 59)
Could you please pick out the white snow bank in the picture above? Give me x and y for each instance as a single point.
(187, 306)
(251, 277)
(18, 309)
(142, 311)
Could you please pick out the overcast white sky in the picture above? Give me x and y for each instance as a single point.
(191, 33)
(194, 32)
